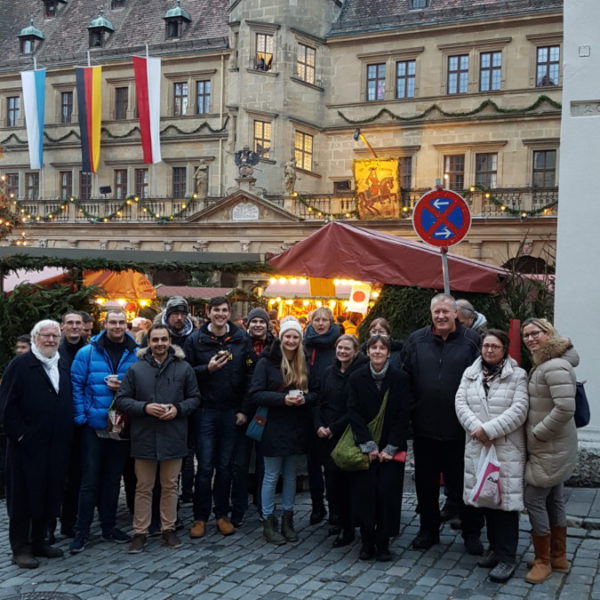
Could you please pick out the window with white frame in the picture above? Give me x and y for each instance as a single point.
(180, 98)
(486, 169)
(203, 89)
(305, 63)
(454, 171)
(262, 138)
(376, 81)
(490, 71)
(264, 52)
(120, 184)
(141, 183)
(32, 186)
(66, 184)
(458, 74)
(547, 66)
(303, 150)
(13, 111)
(405, 78)
(66, 107)
(544, 168)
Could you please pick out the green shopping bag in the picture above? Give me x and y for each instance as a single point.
(347, 455)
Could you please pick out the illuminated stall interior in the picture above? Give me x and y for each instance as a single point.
(298, 296)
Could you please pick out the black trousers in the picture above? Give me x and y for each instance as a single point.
(433, 457)
(502, 533)
(23, 532)
(339, 494)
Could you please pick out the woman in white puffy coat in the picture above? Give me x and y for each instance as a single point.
(491, 405)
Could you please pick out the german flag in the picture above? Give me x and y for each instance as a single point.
(89, 103)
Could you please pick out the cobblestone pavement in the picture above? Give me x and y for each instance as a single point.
(244, 566)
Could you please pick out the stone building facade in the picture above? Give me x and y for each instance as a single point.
(461, 91)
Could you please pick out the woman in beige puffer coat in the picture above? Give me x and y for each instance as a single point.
(491, 405)
(551, 444)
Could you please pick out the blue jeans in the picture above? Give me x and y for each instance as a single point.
(240, 469)
(215, 443)
(102, 462)
(274, 466)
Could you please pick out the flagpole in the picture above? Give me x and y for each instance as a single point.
(89, 59)
(35, 63)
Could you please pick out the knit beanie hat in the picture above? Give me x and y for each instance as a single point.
(290, 323)
(176, 304)
(259, 313)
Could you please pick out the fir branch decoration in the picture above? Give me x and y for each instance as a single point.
(436, 107)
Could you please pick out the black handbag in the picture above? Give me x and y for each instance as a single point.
(582, 408)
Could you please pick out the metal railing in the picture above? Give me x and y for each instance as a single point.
(505, 202)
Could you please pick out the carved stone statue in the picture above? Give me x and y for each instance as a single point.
(289, 176)
(201, 180)
(245, 159)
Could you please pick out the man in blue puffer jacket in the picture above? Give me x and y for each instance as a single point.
(96, 373)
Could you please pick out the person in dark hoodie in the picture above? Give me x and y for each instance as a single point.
(331, 419)
(435, 358)
(319, 344)
(176, 318)
(217, 352)
(261, 339)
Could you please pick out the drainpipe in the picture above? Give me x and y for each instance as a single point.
(222, 111)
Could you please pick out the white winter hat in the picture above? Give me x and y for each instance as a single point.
(289, 323)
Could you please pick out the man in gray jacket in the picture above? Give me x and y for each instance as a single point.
(158, 394)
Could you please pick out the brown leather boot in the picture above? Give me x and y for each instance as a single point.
(558, 549)
(541, 569)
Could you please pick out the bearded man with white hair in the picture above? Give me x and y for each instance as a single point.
(36, 409)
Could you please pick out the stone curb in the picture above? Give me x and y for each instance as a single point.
(590, 523)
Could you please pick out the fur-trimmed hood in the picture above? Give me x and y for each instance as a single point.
(556, 347)
(174, 351)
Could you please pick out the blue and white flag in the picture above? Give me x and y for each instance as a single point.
(34, 97)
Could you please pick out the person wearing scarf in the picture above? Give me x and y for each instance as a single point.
(491, 405)
(36, 410)
(377, 492)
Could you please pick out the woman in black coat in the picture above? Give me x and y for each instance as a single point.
(280, 382)
(378, 490)
(331, 419)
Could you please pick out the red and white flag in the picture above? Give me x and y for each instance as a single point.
(147, 85)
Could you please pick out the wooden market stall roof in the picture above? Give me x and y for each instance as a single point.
(338, 250)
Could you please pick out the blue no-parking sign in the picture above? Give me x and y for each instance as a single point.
(441, 218)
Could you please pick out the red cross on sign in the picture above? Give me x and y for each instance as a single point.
(441, 218)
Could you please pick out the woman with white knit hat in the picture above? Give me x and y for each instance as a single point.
(280, 382)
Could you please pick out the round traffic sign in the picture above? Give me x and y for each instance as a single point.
(441, 218)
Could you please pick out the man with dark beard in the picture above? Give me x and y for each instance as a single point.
(37, 413)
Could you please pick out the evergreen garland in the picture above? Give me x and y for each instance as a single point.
(469, 113)
(114, 136)
(24, 261)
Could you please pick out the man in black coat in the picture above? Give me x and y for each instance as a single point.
(435, 358)
(218, 352)
(36, 410)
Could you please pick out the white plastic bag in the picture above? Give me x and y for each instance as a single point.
(487, 491)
